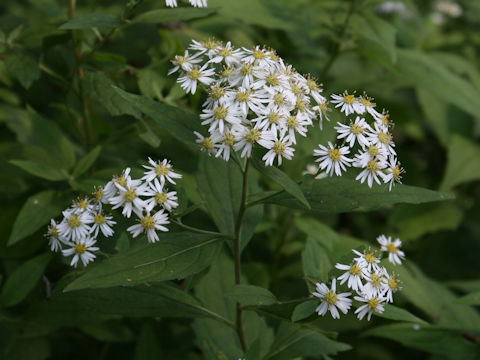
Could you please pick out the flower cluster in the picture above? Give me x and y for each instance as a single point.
(254, 97)
(194, 3)
(373, 285)
(148, 198)
(376, 154)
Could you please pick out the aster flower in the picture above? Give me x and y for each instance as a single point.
(150, 224)
(354, 131)
(333, 159)
(395, 255)
(103, 223)
(75, 225)
(190, 80)
(207, 143)
(372, 171)
(129, 198)
(348, 103)
(393, 285)
(354, 275)
(373, 303)
(55, 240)
(393, 173)
(185, 62)
(198, 3)
(279, 148)
(162, 170)
(331, 301)
(376, 283)
(160, 196)
(81, 249)
(368, 259)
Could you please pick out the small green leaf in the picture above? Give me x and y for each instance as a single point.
(35, 213)
(175, 256)
(315, 261)
(463, 164)
(470, 299)
(86, 162)
(395, 313)
(304, 310)
(23, 67)
(281, 179)
(43, 171)
(177, 14)
(338, 194)
(24, 279)
(92, 21)
(252, 295)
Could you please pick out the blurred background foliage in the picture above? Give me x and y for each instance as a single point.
(64, 129)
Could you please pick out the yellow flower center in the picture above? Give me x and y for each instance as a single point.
(161, 197)
(80, 248)
(258, 54)
(162, 170)
(217, 92)
(376, 280)
(373, 166)
(373, 150)
(82, 204)
(252, 136)
(130, 195)
(229, 139)
(122, 181)
(278, 99)
(355, 270)
(373, 303)
(335, 154)
(180, 59)
(384, 138)
(74, 222)
(225, 52)
(392, 248)
(370, 258)
(54, 232)
(279, 147)
(246, 69)
(331, 298)
(99, 219)
(392, 283)
(312, 85)
(296, 89)
(349, 99)
(366, 102)
(210, 44)
(273, 117)
(397, 171)
(272, 80)
(194, 74)
(227, 72)
(292, 122)
(220, 113)
(386, 119)
(324, 107)
(207, 144)
(301, 105)
(242, 97)
(148, 222)
(356, 129)
(99, 194)
(273, 56)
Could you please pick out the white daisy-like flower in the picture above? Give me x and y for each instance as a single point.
(198, 3)
(395, 255)
(103, 223)
(279, 148)
(129, 198)
(376, 283)
(373, 303)
(55, 240)
(149, 224)
(366, 104)
(82, 204)
(190, 80)
(227, 54)
(74, 225)
(372, 171)
(331, 300)
(171, 3)
(162, 170)
(354, 275)
(160, 196)
(297, 124)
(368, 259)
(81, 249)
(333, 159)
(348, 103)
(371, 152)
(185, 62)
(393, 285)
(225, 145)
(209, 47)
(247, 137)
(393, 173)
(381, 137)
(220, 117)
(322, 110)
(110, 190)
(206, 143)
(354, 131)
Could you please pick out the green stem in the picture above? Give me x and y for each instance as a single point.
(237, 254)
(200, 231)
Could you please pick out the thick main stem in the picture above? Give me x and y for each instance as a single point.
(237, 254)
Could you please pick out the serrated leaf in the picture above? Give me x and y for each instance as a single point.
(281, 179)
(23, 280)
(395, 313)
(252, 295)
(86, 162)
(40, 170)
(463, 165)
(94, 20)
(23, 67)
(304, 310)
(35, 213)
(177, 14)
(175, 256)
(342, 195)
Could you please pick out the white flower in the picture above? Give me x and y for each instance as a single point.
(150, 225)
(189, 81)
(246, 138)
(185, 62)
(110, 189)
(54, 239)
(348, 103)
(376, 283)
(382, 138)
(82, 204)
(368, 105)
(209, 47)
(368, 259)
(395, 255)
(354, 131)
(354, 275)
(227, 54)
(83, 250)
(171, 3)
(162, 170)
(279, 148)
(227, 140)
(333, 159)
(207, 143)
(129, 197)
(160, 196)
(104, 223)
(220, 117)
(394, 172)
(372, 171)
(393, 285)
(198, 3)
(74, 225)
(373, 303)
(331, 300)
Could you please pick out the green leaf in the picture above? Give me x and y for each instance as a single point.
(252, 295)
(40, 170)
(148, 345)
(281, 179)
(304, 310)
(395, 313)
(23, 280)
(94, 20)
(470, 299)
(281, 310)
(177, 14)
(293, 341)
(427, 338)
(86, 162)
(23, 67)
(175, 256)
(376, 30)
(35, 213)
(436, 114)
(337, 194)
(315, 261)
(463, 165)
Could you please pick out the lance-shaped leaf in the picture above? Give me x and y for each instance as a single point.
(175, 256)
(252, 295)
(178, 14)
(337, 194)
(95, 20)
